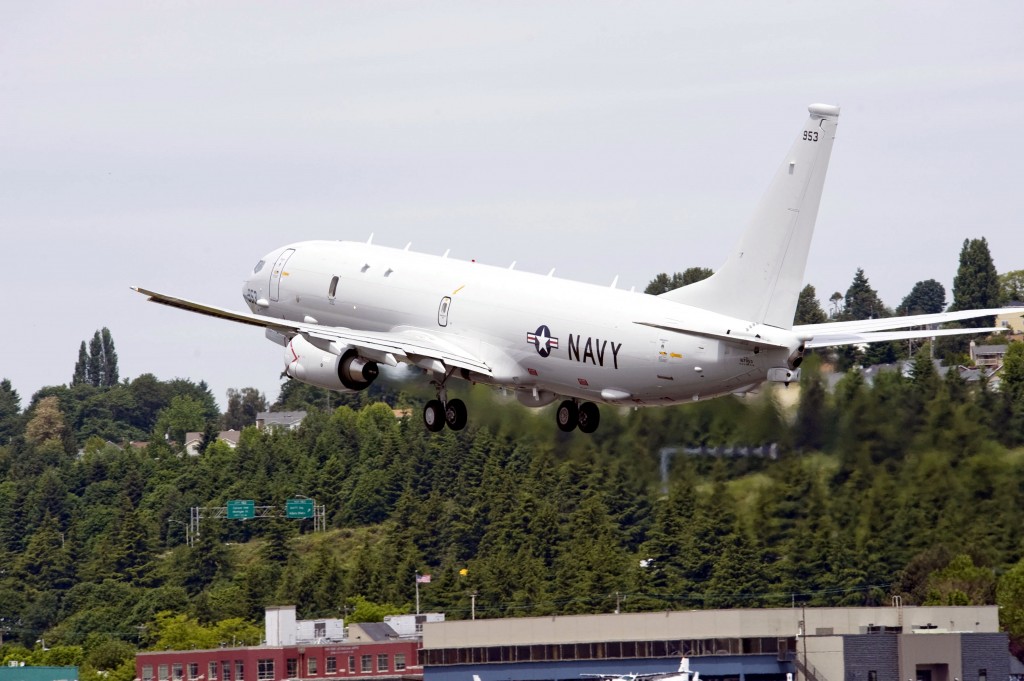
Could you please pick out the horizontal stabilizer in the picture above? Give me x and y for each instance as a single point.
(826, 340)
(884, 323)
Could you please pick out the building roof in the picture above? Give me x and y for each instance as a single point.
(374, 631)
(286, 419)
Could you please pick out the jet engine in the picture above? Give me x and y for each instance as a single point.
(345, 372)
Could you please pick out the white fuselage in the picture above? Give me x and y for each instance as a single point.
(540, 335)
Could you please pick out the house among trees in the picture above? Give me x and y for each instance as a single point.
(289, 420)
(194, 441)
(988, 356)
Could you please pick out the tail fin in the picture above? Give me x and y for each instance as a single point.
(761, 280)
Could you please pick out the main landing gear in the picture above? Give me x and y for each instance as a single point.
(437, 413)
(571, 414)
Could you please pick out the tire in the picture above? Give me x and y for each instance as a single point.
(567, 416)
(433, 415)
(589, 417)
(455, 414)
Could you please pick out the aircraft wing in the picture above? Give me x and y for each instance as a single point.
(389, 347)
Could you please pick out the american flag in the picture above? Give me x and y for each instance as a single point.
(423, 579)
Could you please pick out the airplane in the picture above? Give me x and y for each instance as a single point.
(342, 309)
(682, 674)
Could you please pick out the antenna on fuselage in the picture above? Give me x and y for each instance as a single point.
(407, 246)
(446, 253)
(552, 272)
(513, 265)
(370, 240)
(615, 282)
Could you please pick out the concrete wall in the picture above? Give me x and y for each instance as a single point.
(937, 653)
(825, 653)
(700, 624)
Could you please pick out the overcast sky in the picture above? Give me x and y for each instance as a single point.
(171, 144)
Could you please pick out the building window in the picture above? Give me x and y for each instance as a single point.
(193, 671)
(399, 662)
(225, 668)
(147, 672)
(239, 670)
(367, 664)
(872, 675)
(382, 662)
(162, 672)
(178, 671)
(332, 665)
(311, 666)
(982, 675)
(292, 664)
(351, 664)
(265, 669)
(211, 673)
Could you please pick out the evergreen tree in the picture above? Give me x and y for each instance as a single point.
(808, 309)
(95, 365)
(862, 301)
(663, 283)
(927, 297)
(10, 411)
(109, 376)
(975, 287)
(81, 376)
(810, 428)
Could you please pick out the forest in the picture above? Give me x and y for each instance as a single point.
(904, 483)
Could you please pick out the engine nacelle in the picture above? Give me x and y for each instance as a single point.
(347, 372)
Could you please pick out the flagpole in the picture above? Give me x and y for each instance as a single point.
(417, 593)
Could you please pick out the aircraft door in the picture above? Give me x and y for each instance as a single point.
(276, 273)
(442, 311)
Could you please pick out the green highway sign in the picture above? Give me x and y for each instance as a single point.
(298, 508)
(241, 509)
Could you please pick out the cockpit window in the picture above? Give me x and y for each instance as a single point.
(259, 266)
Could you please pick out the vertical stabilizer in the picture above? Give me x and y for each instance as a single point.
(761, 280)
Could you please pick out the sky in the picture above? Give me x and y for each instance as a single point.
(170, 145)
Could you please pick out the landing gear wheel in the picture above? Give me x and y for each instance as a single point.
(567, 416)
(455, 414)
(433, 415)
(589, 417)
